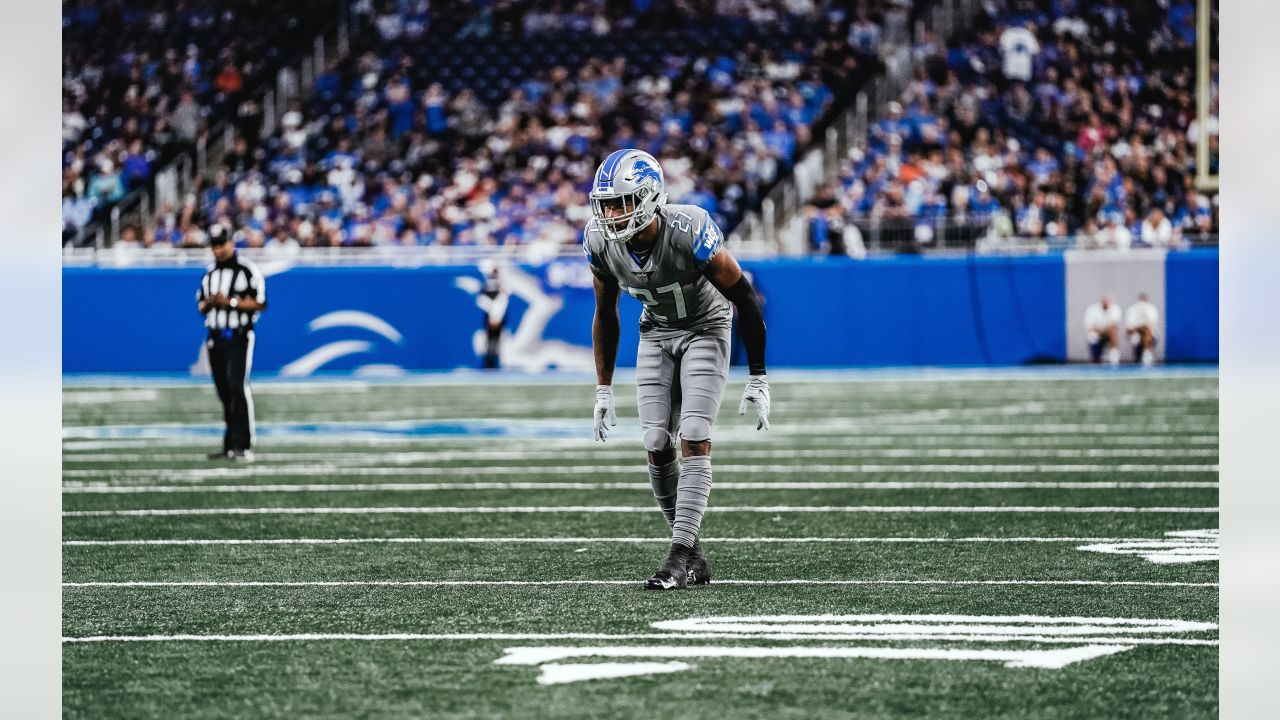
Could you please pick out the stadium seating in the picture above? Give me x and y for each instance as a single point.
(143, 79)
(419, 138)
(1081, 126)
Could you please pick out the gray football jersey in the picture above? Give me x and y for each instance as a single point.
(676, 295)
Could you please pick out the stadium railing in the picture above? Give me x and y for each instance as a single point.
(534, 254)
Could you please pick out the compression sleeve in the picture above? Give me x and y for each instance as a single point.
(750, 322)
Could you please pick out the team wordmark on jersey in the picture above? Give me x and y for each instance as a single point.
(1182, 546)
(1057, 642)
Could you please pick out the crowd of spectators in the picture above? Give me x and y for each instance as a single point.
(1049, 119)
(142, 80)
(489, 138)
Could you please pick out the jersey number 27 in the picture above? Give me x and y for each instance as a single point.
(650, 302)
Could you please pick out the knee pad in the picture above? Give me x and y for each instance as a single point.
(657, 440)
(695, 429)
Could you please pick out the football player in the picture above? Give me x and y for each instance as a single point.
(670, 258)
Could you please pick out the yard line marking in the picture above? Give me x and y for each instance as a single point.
(397, 458)
(523, 583)
(303, 637)
(322, 468)
(586, 540)
(866, 440)
(489, 510)
(1177, 547)
(104, 489)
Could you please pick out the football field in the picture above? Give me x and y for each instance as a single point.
(972, 544)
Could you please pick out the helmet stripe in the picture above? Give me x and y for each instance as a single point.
(610, 165)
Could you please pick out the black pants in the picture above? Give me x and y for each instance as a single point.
(492, 345)
(230, 359)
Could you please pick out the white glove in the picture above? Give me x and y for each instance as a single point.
(756, 393)
(604, 411)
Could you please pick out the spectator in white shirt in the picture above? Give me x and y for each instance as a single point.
(1102, 330)
(1019, 47)
(1157, 231)
(1142, 320)
(1114, 235)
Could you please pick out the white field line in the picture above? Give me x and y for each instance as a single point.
(525, 470)
(109, 397)
(277, 445)
(102, 489)
(313, 637)
(528, 583)
(790, 637)
(828, 427)
(861, 377)
(592, 509)
(1023, 410)
(405, 458)
(594, 541)
(892, 399)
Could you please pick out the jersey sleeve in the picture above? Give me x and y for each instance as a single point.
(706, 241)
(593, 249)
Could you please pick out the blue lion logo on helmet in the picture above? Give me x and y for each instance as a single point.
(642, 171)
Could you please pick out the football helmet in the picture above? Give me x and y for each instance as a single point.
(626, 193)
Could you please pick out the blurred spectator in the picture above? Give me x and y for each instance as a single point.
(1102, 330)
(1019, 47)
(826, 226)
(106, 187)
(1143, 322)
(1157, 231)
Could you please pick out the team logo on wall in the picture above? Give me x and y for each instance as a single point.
(327, 353)
(525, 346)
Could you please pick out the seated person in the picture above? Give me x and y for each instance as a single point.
(1143, 320)
(1102, 330)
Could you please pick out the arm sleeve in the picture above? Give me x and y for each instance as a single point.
(750, 323)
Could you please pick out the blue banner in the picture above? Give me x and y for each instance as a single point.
(820, 312)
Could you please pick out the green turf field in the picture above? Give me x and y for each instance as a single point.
(969, 545)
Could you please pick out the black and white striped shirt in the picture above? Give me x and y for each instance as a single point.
(235, 278)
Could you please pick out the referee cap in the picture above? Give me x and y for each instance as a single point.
(218, 234)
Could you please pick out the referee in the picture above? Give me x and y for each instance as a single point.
(232, 295)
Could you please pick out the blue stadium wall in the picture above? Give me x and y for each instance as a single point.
(821, 312)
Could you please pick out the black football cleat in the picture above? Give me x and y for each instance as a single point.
(670, 576)
(698, 569)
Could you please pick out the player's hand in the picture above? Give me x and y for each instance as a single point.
(756, 393)
(604, 412)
